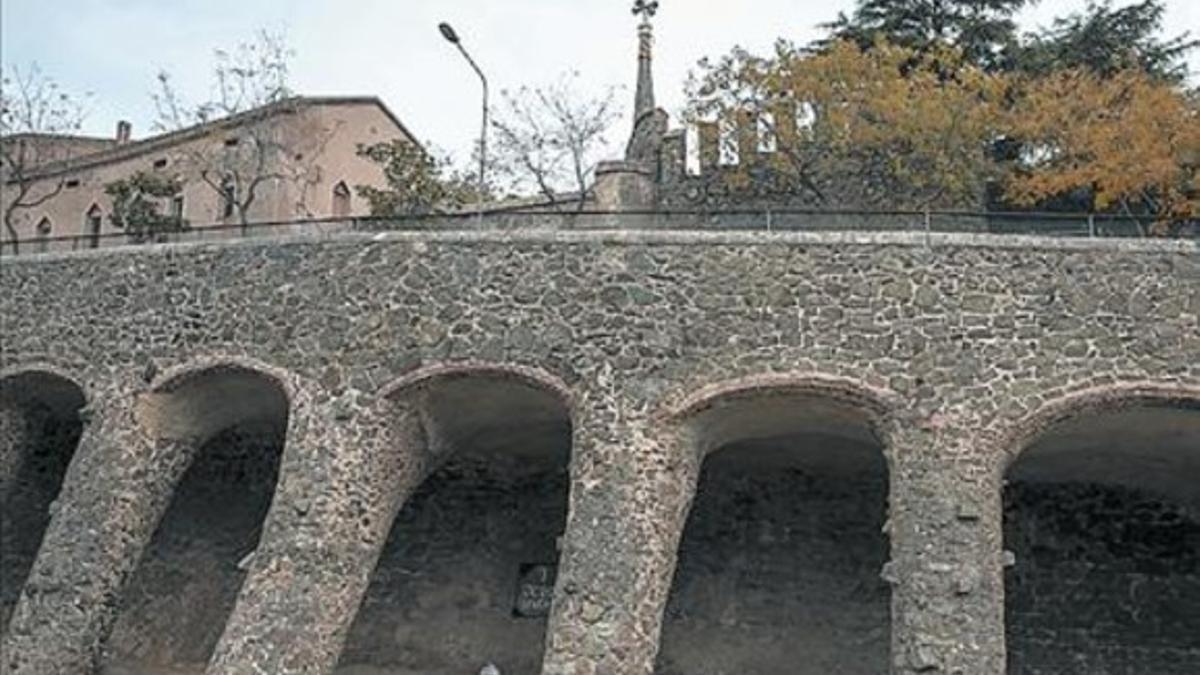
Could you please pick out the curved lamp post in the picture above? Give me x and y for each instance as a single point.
(452, 37)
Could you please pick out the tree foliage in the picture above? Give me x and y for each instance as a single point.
(550, 138)
(1129, 139)
(1107, 41)
(889, 114)
(34, 109)
(142, 206)
(418, 182)
(983, 31)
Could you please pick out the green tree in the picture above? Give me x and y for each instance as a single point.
(418, 182)
(1106, 41)
(982, 30)
(144, 206)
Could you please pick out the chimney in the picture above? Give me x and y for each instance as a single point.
(124, 132)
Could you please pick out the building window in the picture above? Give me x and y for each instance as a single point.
(177, 207)
(341, 200)
(44, 228)
(230, 142)
(74, 182)
(92, 223)
(160, 163)
(228, 197)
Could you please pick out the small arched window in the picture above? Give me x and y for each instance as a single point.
(341, 200)
(44, 229)
(92, 224)
(229, 197)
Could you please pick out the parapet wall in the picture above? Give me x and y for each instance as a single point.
(956, 344)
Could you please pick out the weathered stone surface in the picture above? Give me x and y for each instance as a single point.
(112, 498)
(346, 470)
(978, 344)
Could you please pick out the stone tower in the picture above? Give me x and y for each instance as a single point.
(631, 184)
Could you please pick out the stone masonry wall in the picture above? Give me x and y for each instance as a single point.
(963, 346)
(184, 587)
(779, 573)
(1106, 581)
(443, 597)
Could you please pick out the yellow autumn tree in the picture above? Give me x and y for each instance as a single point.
(914, 128)
(1131, 141)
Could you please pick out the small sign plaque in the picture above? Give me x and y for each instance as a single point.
(535, 590)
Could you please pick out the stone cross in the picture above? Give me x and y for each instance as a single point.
(646, 9)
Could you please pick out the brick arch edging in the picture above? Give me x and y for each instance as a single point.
(179, 374)
(1018, 435)
(528, 375)
(879, 405)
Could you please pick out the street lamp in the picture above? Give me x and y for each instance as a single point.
(452, 37)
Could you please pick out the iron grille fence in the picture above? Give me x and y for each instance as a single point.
(733, 220)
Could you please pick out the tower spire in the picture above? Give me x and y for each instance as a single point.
(648, 121)
(644, 101)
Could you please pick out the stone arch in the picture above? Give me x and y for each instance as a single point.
(1102, 517)
(227, 419)
(874, 405)
(233, 389)
(779, 563)
(40, 427)
(473, 552)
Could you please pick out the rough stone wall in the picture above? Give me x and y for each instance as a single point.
(180, 596)
(779, 573)
(1106, 580)
(442, 597)
(47, 444)
(962, 340)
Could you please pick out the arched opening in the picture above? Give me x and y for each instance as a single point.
(341, 200)
(229, 197)
(467, 574)
(177, 602)
(44, 229)
(779, 565)
(40, 429)
(93, 223)
(1102, 515)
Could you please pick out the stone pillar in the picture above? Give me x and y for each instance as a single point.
(113, 496)
(632, 481)
(348, 466)
(947, 556)
(14, 442)
(625, 186)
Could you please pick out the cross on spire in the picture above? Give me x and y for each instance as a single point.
(646, 9)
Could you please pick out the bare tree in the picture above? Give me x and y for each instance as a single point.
(252, 98)
(34, 115)
(550, 138)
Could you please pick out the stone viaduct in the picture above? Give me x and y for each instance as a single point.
(603, 453)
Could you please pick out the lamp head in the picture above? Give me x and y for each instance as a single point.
(448, 33)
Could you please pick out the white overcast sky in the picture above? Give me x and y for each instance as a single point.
(392, 49)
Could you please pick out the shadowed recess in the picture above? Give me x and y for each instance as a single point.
(779, 563)
(181, 594)
(467, 572)
(40, 428)
(1102, 513)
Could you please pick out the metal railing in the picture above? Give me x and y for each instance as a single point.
(744, 220)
